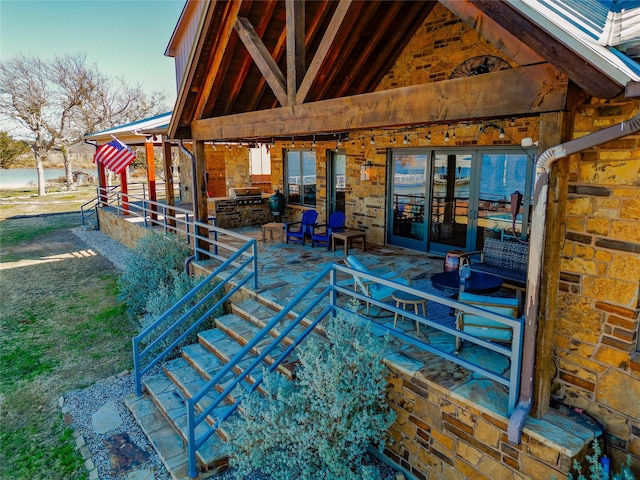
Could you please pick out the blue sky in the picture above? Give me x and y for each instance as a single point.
(124, 38)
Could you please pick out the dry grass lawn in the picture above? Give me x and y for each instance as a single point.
(62, 329)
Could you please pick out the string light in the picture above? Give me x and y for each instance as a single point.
(501, 135)
(429, 134)
(372, 141)
(446, 137)
(405, 140)
(293, 143)
(313, 143)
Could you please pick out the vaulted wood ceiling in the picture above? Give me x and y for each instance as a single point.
(366, 44)
(347, 47)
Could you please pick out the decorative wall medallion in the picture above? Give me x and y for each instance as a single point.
(480, 65)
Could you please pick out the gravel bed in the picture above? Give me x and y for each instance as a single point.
(106, 246)
(80, 405)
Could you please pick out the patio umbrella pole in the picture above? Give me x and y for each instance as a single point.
(538, 224)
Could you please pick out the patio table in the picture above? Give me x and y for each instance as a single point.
(348, 236)
(477, 283)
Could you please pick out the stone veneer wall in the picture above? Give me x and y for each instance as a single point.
(120, 229)
(438, 435)
(598, 312)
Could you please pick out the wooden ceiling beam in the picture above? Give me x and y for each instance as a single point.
(320, 55)
(278, 51)
(336, 59)
(587, 76)
(521, 91)
(222, 43)
(366, 55)
(403, 30)
(263, 59)
(507, 42)
(245, 67)
(296, 54)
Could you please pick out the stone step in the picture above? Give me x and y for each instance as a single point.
(167, 393)
(161, 413)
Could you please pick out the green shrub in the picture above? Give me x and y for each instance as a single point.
(596, 471)
(168, 294)
(154, 262)
(320, 424)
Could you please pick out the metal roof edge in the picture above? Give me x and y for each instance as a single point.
(598, 55)
(127, 126)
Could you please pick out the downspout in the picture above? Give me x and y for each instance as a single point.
(536, 244)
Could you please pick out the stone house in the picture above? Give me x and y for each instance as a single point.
(371, 107)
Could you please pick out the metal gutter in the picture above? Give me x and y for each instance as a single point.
(536, 260)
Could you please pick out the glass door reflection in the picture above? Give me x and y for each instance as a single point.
(407, 200)
(450, 186)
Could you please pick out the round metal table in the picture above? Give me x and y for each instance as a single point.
(477, 283)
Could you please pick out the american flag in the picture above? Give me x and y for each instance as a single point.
(115, 156)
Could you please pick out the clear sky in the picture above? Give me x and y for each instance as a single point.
(124, 38)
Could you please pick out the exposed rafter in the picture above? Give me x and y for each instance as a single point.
(263, 59)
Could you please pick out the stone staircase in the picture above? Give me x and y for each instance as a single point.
(161, 412)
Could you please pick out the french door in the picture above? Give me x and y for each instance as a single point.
(441, 200)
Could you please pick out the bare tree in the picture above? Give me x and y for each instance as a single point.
(25, 97)
(60, 101)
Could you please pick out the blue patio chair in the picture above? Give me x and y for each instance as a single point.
(371, 289)
(335, 224)
(482, 327)
(298, 231)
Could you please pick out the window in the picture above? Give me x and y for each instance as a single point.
(300, 183)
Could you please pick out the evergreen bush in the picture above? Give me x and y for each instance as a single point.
(596, 469)
(168, 294)
(320, 424)
(155, 261)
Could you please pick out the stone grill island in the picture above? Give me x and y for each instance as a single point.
(245, 206)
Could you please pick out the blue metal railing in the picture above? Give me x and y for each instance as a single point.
(326, 302)
(236, 267)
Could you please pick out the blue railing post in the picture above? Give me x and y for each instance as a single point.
(191, 442)
(136, 366)
(255, 264)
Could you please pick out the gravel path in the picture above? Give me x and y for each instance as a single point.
(82, 408)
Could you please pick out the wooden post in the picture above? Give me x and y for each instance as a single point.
(200, 194)
(553, 131)
(151, 175)
(168, 175)
(124, 189)
(102, 185)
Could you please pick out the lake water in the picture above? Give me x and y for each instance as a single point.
(28, 177)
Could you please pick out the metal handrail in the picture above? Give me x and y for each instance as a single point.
(331, 292)
(218, 243)
(139, 355)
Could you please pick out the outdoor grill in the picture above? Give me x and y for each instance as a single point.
(246, 195)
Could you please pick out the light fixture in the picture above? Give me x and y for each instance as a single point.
(446, 137)
(405, 140)
(454, 134)
(293, 143)
(313, 143)
(365, 171)
(429, 135)
(362, 146)
(501, 135)
(372, 141)
(340, 140)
